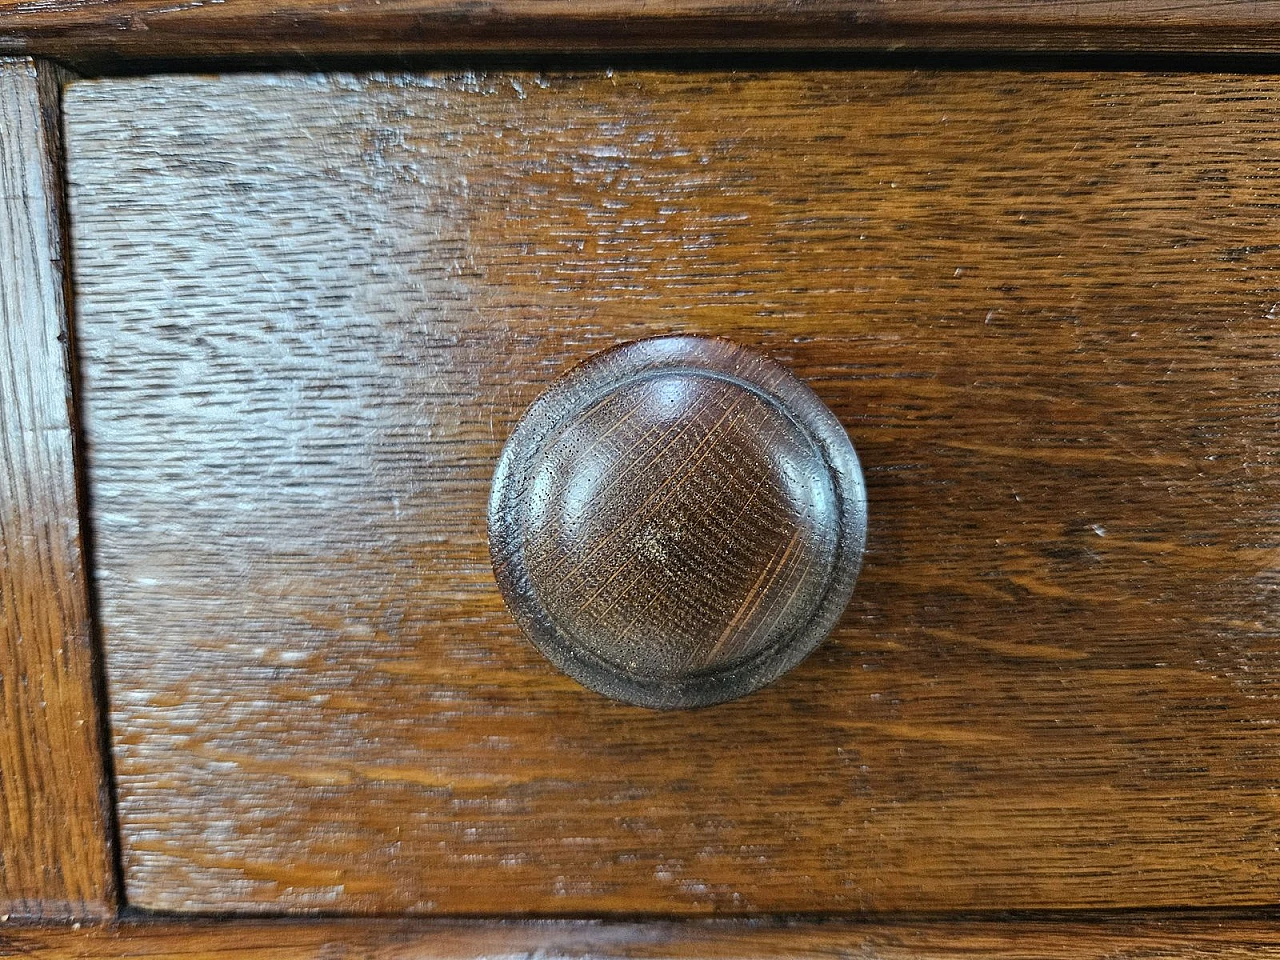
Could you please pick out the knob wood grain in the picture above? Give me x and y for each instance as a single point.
(677, 521)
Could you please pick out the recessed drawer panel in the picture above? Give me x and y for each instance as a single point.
(1044, 307)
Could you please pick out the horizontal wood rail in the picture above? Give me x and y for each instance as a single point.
(86, 31)
(1153, 939)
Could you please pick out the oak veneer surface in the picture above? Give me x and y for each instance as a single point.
(1178, 939)
(54, 857)
(1045, 307)
(103, 31)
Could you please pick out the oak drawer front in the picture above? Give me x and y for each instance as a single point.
(311, 308)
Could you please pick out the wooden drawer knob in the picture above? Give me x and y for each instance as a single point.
(677, 521)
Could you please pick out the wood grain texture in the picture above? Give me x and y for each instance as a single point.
(1151, 939)
(54, 857)
(677, 522)
(1044, 307)
(101, 31)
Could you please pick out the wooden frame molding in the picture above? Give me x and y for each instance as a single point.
(1153, 939)
(87, 31)
(55, 858)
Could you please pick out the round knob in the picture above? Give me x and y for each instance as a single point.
(677, 521)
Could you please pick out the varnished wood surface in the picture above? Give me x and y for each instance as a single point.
(104, 32)
(1152, 939)
(677, 522)
(1044, 307)
(54, 859)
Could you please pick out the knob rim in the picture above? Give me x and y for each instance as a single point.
(577, 390)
